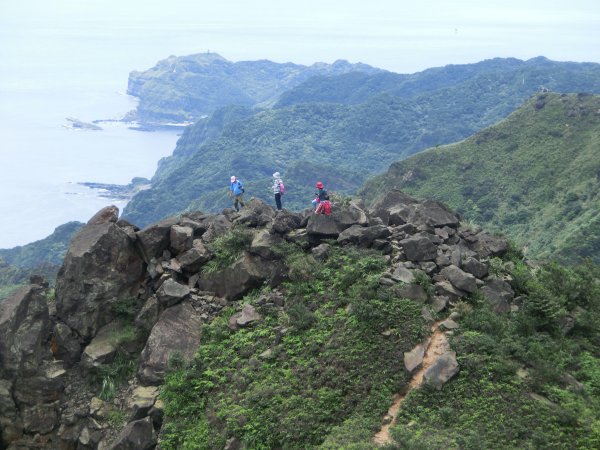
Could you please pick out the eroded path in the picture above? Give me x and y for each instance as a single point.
(437, 345)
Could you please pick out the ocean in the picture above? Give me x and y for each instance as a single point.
(50, 71)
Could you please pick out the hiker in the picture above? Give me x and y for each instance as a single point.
(236, 192)
(278, 189)
(321, 201)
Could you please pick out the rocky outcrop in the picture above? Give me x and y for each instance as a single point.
(101, 267)
(143, 295)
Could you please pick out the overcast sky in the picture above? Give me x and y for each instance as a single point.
(393, 34)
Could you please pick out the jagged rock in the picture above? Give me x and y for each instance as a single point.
(320, 225)
(255, 214)
(286, 221)
(177, 331)
(233, 444)
(41, 418)
(487, 245)
(100, 268)
(103, 347)
(499, 294)
(236, 280)
(321, 251)
(393, 208)
(449, 324)
(154, 239)
(412, 292)
(350, 215)
(446, 289)
(475, 267)
(245, 317)
(148, 315)
(433, 214)
(105, 215)
(38, 389)
(11, 426)
(216, 226)
(414, 358)
(363, 236)
(141, 400)
(65, 345)
(137, 435)
(439, 302)
(24, 328)
(171, 292)
(194, 258)
(419, 247)
(181, 239)
(442, 370)
(403, 275)
(263, 244)
(459, 278)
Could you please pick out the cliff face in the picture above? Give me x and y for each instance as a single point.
(139, 297)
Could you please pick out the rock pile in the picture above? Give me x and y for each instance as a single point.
(142, 296)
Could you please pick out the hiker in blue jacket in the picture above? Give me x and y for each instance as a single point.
(236, 192)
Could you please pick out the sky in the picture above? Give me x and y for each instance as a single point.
(395, 35)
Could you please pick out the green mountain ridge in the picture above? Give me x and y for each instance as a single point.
(189, 87)
(534, 176)
(341, 144)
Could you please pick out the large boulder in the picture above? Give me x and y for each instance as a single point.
(363, 236)
(215, 226)
(176, 332)
(420, 247)
(286, 221)
(247, 273)
(433, 214)
(155, 239)
(442, 370)
(459, 278)
(194, 258)
(394, 208)
(137, 435)
(172, 292)
(104, 346)
(499, 293)
(255, 213)
(181, 238)
(11, 427)
(24, 329)
(101, 267)
(263, 244)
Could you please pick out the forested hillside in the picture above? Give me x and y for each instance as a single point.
(343, 142)
(535, 176)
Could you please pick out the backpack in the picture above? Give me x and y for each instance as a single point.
(241, 186)
(281, 187)
(327, 207)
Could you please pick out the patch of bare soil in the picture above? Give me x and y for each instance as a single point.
(438, 345)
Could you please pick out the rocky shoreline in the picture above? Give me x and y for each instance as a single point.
(119, 191)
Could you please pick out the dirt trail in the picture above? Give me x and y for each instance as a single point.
(438, 345)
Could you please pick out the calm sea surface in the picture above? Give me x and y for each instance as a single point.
(49, 73)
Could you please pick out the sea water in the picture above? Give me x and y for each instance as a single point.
(49, 72)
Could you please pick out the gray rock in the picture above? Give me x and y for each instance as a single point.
(449, 324)
(433, 214)
(286, 221)
(419, 247)
(24, 328)
(445, 288)
(321, 251)
(412, 292)
(403, 275)
(475, 267)
(11, 426)
(103, 347)
(439, 302)
(499, 294)
(363, 236)
(442, 370)
(141, 400)
(414, 358)
(263, 244)
(181, 239)
(236, 280)
(176, 332)
(459, 278)
(101, 267)
(322, 226)
(194, 258)
(153, 240)
(172, 292)
(40, 418)
(215, 226)
(244, 318)
(487, 245)
(256, 213)
(148, 315)
(137, 435)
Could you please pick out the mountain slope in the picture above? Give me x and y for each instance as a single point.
(535, 176)
(189, 87)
